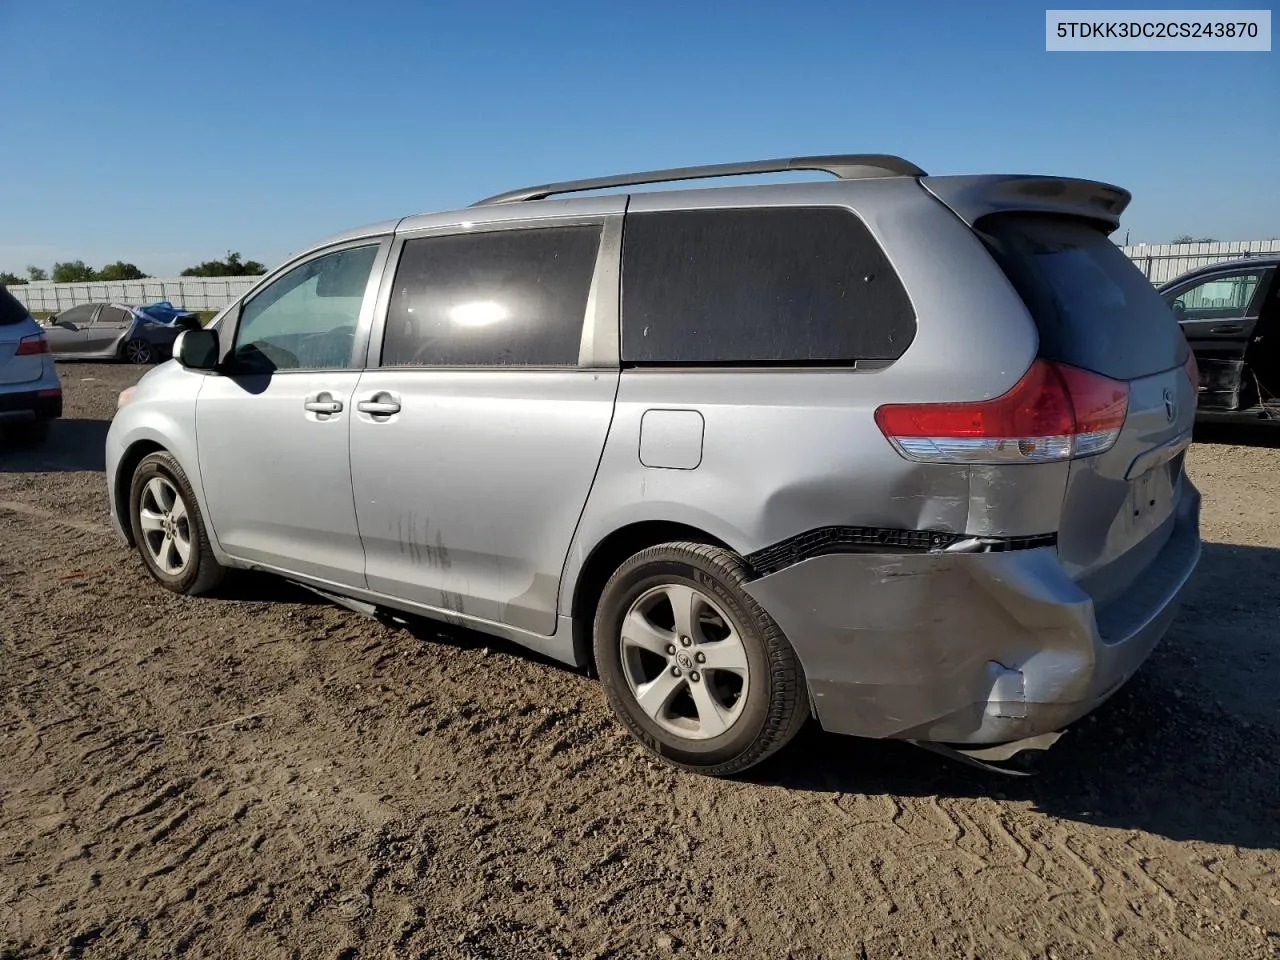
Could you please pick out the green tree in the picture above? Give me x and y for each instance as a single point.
(232, 266)
(1185, 238)
(36, 274)
(10, 279)
(73, 271)
(120, 271)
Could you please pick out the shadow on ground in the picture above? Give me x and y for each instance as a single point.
(73, 446)
(244, 586)
(1190, 749)
(1239, 434)
(250, 586)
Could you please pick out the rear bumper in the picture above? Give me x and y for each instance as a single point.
(970, 648)
(44, 403)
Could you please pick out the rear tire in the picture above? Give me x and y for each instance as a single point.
(695, 669)
(139, 351)
(168, 528)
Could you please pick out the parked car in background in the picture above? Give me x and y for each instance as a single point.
(1230, 313)
(903, 452)
(114, 331)
(30, 392)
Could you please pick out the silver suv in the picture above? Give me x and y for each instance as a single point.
(900, 452)
(30, 392)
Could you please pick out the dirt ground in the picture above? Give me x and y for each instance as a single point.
(261, 774)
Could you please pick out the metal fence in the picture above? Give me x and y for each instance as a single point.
(190, 293)
(1164, 261)
(1159, 262)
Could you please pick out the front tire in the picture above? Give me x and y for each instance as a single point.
(139, 351)
(695, 669)
(168, 528)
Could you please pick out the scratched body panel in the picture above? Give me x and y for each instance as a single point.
(524, 444)
(971, 648)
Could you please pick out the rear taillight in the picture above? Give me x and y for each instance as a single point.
(31, 346)
(1055, 412)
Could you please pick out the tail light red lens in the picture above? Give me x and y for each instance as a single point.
(33, 345)
(1055, 412)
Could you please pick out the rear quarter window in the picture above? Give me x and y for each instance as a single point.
(1092, 306)
(11, 309)
(759, 286)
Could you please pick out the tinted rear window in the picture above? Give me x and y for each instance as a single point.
(1093, 307)
(781, 285)
(502, 298)
(11, 309)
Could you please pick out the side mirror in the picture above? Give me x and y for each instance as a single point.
(66, 325)
(1179, 311)
(196, 349)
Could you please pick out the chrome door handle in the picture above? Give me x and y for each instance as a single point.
(381, 404)
(323, 403)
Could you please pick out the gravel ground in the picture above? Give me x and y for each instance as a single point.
(261, 774)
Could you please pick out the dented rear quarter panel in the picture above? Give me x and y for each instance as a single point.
(786, 450)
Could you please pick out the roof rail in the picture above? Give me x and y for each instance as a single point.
(852, 166)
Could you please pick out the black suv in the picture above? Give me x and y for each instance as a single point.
(1230, 313)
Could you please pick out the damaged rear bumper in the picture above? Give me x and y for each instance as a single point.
(970, 648)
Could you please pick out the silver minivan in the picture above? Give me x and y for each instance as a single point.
(902, 453)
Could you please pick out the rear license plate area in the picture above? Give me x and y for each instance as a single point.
(1151, 497)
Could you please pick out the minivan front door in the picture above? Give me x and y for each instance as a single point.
(272, 428)
(481, 420)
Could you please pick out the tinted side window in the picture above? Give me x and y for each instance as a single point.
(81, 316)
(502, 298)
(781, 285)
(1218, 298)
(112, 317)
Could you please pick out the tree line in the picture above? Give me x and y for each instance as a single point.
(77, 271)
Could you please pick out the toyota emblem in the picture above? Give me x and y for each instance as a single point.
(1170, 406)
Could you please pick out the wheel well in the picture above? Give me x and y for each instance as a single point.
(124, 480)
(609, 554)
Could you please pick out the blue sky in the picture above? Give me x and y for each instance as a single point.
(168, 133)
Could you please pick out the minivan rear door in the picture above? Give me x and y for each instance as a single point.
(1096, 311)
(480, 420)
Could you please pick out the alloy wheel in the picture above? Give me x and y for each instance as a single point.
(684, 662)
(166, 526)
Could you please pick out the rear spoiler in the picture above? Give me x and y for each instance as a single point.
(971, 198)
